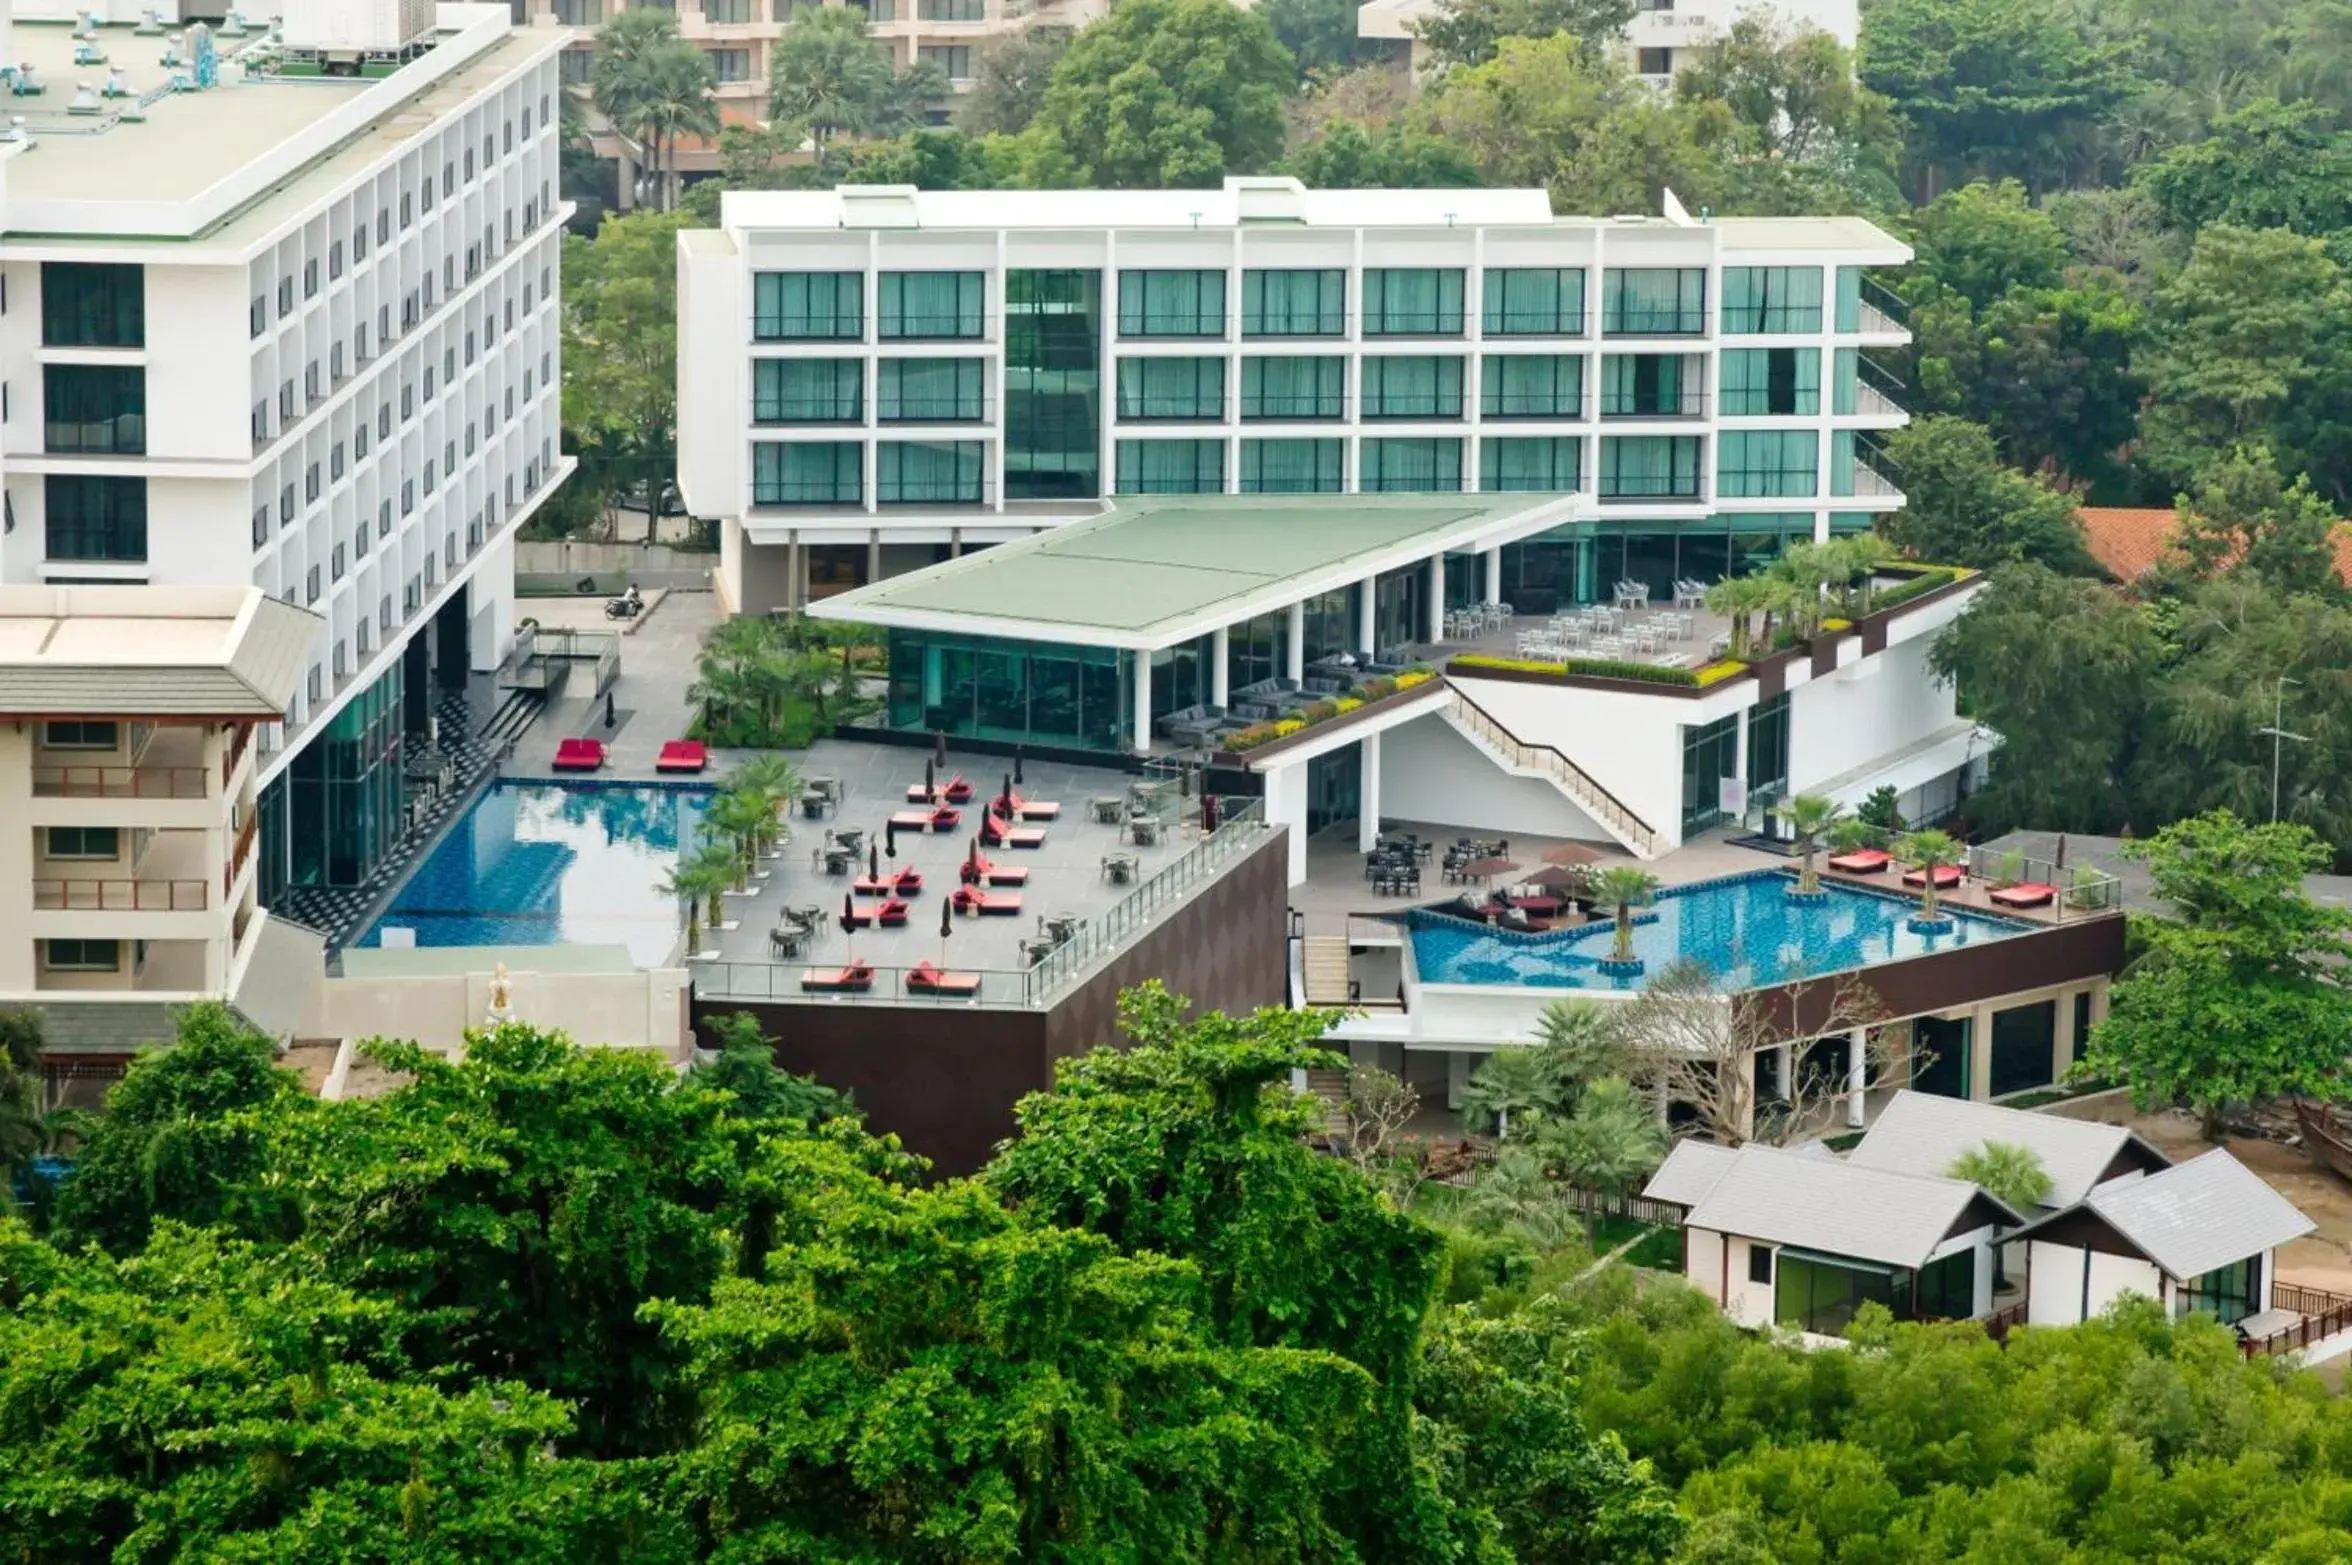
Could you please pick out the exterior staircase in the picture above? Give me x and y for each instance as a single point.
(1522, 759)
(1325, 962)
(1329, 1089)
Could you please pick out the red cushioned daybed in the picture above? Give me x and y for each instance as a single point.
(682, 755)
(1862, 861)
(923, 978)
(1946, 877)
(579, 755)
(853, 979)
(2026, 893)
(971, 900)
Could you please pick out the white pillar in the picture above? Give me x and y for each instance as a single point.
(1368, 795)
(1367, 622)
(1457, 1077)
(1857, 1074)
(1294, 652)
(1143, 659)
(1436, 598)
(1780, 1068)
(1220, 669)
(1494, 574)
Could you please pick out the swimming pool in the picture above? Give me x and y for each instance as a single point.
(1743, 928)
(535, 863)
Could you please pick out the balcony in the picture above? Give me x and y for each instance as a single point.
(121, 782)
(120, 896)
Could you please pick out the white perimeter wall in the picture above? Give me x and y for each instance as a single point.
(643, 1010)
(2054, 1288)
(1868, 709)
(714, 375)
(1429, 772)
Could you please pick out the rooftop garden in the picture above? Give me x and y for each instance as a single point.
(1329, 709)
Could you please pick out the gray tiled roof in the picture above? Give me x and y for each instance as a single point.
(2199, 1215)
(150, 651)
(1819, 1203)
(1689, 1172)
(1922, 1133)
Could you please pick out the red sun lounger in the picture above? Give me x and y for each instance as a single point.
(579, 755)
(980, 869)
(923, 978)
(953, 791)
(857, 978)
(1946, 877)
(2026, 893)
(682, 755)
(997, 832)
(973, 902)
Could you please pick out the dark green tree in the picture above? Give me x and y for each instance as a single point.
(1963, 506)
(2242, 514)
(1349, 156)
(2269, 165)
(1471, 32)
(1320, 34)
(1168, 93)
(1009, 78)
(1983, 239)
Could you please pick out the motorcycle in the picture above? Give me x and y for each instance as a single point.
(627, 606)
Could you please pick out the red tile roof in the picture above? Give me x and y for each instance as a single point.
(2128, 541)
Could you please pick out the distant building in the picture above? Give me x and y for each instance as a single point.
(2131, 541)
(1663, 35)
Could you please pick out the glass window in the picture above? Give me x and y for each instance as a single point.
(1763, 382)
(2025, 1046)
(1171, 466)
(1710, 753)
(1293, 467)
(1759, 1263)
(1294, 303)
(91, 306)
(1753, 462)
(85, 842)
(912, 473)
(1768, 745)
(726, 12)
(729, 65)
(1533, 301)
(1053, 384)
(91, 518)
(953, 58)
(1293, 388)
(1653, 301)
(2082, 1024)
(1418, 387)
(916, 305)
(1413, 301)
(811, 473)
(932, 391)
(952, 10)
(1410, 466)
(1649, 385)
(1758, 299)
(1849, 298)
(81, 736)
(1531, 385)
(2228, 1293)
(1947, 1288)
(1172, 389)
(82, 956)
(1552, 465)
(1845, 380)
(1649, 467)
(1818, 1294)
(1171, 304)
(808, 391)
(94, 407)
(808, 306)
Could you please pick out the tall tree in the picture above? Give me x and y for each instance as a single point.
(620, 329)
(20, 1093)
(1320, 34)
(1009, 77)
(1983, 239)
(2060, 667)
(1963, 506)
(2242, 514)
(653, 86)
(1169, 93)
(825, 72)
(1990, 87)
(1793, 89)
(2268, 165)
(2251, 341)
(1472, 32)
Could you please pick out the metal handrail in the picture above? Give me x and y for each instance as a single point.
(1544, 757)
(122, 782)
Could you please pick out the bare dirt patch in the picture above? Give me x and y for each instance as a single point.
(2324, 1259)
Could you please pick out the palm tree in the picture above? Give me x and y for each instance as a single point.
(1869, 553)
(1609, 1145)
(1738, 599)
(1514, 1192)
(1508, 1082)
(2012, 1174)
(1927, 852)
(720, 690)
(1624, 888)
(676, 102)
(695, 879)
(1809, 817)
(736, 818)
(651, 84)
(827, 74)
(1574, 1035)
(776, 780)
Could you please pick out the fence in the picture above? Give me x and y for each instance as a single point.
(2324, 1314)
(1632, 1208)
(1093, 941)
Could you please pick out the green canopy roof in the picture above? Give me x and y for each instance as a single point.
(1155, 570)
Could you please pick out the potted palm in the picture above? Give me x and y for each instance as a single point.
(1924, 853)
(1810, 819)
(695, 880)
(1622, 889)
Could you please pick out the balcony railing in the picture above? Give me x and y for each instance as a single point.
(120, 782)
(121, 896)
(1671, 404)
(239, 854)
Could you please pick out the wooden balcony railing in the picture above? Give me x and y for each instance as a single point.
(238, 854)
(121, 782)
(121, 896)
(2324, 1314)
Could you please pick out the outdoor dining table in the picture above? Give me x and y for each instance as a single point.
(1144, 830)
(1107, 807)
(1119, 868)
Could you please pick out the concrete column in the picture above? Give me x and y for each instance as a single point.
(1294, 642)
(1436, 598)
(795, 575)
(1780, 1068)
(1220, 665)
(1368, 796)
(874, 555)
(1367, 627)
(955, 543)
(1143, 659)
(1494, 575)
(1980, 1054)
(1457, 1077)
(1857, 1074)
(2062, 1040)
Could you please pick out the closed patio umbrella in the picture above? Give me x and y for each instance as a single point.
(873, 862)
(930, 776)
(890, 838)
(946, 926)
(849, 926)
(1017, 778)
(939, 745)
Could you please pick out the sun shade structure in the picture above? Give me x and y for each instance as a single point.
(134, 651)
(1153, 571)
(1923, 1133)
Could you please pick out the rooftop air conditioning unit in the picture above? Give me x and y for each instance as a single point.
(357, 25)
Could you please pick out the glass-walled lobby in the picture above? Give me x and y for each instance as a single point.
(1583, 562)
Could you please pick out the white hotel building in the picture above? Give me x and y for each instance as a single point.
(872, 379)
(293, 330)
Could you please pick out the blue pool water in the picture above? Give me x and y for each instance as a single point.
(1744, 929)
(553, 864)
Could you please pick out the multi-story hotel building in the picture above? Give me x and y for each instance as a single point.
(1664, 35)
(287, 319)
(873, 379)
(128, 766)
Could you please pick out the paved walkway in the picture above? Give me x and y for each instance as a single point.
(649, 697)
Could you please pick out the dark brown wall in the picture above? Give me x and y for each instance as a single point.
(945, 1079)
(1947, 980)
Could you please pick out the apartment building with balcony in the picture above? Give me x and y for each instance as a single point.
(738, 37)
(873, 379)
(1664, 36)
(129, 766)
(295, 330)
